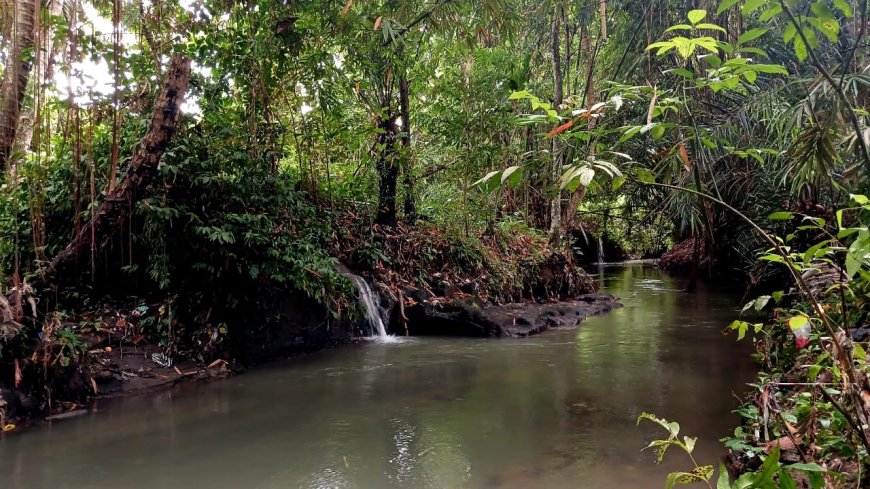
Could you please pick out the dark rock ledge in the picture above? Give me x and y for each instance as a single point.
(474, 317)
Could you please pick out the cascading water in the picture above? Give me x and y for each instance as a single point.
(369, 302)
(600, 250)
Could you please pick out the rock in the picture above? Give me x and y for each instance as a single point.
(861, 334)
(101, 374)
(474, 317)
(444, 289)
(469, 287)
(418, 295)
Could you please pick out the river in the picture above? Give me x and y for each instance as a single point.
(553, 411)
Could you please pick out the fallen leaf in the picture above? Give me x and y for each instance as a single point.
(378, 22)
(346, 7)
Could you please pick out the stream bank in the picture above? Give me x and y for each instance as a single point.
(549, 411)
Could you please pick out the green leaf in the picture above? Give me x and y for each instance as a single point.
(741, 327)
(860, 199)
(753, 5)
(761, 302)
(788, 33)
(797, 322)
(512, 176)
(488, 183)
(689, 443)
(725, 5)
(813, 372)
(806, 467)
(723, 482)
(770, 13)
(781, 216)
(752, 35)
(843, 6)
(750, 76)
(523, 94)
(786, 481)
(770, 466)
(617, 183)
(800, 49)
(712, 27)
(679, 27)
(700, 474)
(644, 175)
(696, 16)
(753, 50)
(827, 26)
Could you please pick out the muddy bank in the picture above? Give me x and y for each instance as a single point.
(477, 318)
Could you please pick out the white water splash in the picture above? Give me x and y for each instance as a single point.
(368, 299)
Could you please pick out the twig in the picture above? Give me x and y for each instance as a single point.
(861, 433)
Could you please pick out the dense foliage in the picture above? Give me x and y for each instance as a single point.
(484, 141)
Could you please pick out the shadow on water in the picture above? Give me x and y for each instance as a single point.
(557, 410)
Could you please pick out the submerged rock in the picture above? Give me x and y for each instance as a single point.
(477, 318)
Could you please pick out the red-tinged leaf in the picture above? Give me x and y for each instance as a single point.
(564, 127)
(138, 339)
(18, 376)
(378, 22)
(684, 155)
(347, 8)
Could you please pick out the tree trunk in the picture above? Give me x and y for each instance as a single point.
(405, 140)
(602, 10)
(556, 203)
(44, 74)
(111, 216)
(17, 74)
(387, 168)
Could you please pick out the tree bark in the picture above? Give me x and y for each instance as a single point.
(387, 168)
(17, 74)
(405, 141)
(556, 203)
(111, 216)
(602, 10)
(44, 73)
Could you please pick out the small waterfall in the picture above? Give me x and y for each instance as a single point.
(600, 250)
(368, 299)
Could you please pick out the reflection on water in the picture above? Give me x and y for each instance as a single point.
(552, 411)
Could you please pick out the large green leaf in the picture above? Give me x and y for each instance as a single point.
(753, 5)
(725, 5)
(752, 35)
(696, 16)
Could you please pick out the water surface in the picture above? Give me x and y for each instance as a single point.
(553, 411)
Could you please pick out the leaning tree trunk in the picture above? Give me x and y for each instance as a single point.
(109, 219)
(17, 74)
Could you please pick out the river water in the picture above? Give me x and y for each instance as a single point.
(553, 411)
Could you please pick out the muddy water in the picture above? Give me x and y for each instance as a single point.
(553, 411)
